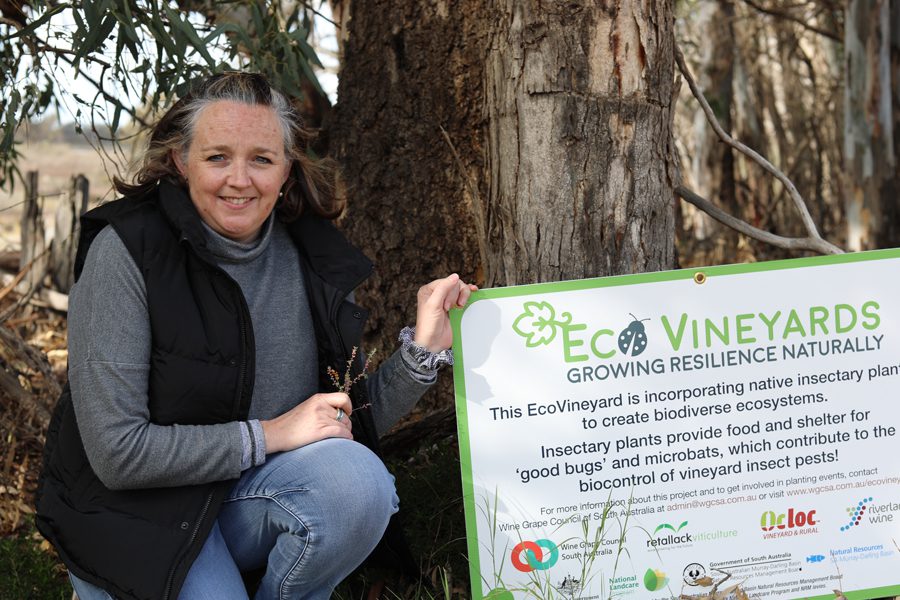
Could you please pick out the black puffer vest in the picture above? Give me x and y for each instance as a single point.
(140, 544)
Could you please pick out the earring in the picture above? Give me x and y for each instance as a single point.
(281, 194)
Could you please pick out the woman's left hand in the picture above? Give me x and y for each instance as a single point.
(435, 300)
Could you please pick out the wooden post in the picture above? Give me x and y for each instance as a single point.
(32, 236)
(62, 247)
(82, 187)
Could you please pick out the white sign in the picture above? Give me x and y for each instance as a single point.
(645, 436)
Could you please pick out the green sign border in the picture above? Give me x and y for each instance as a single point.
(465, 453)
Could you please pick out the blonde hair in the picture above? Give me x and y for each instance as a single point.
(310, 183)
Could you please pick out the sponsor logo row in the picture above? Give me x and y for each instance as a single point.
(544, 554)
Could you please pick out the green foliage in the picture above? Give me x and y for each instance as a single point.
(29, 572)
(146, 49)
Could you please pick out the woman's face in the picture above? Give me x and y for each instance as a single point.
(235, 167)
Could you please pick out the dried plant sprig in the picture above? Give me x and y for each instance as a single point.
(345, 383)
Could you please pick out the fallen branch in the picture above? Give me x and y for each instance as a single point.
(813, 241)
(26, 297)
(11, 345)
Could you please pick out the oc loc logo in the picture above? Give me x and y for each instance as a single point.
(790, 520)
(535, 557)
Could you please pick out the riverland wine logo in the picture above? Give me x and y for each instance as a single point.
(539, 325)
(856, 513)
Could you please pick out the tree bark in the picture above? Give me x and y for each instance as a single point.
(511, 141)
(579, 151)
(872, 123)
(712, 163)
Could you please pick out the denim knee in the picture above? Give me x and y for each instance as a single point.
(368, 478)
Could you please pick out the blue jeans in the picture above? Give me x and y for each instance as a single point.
(309, 516)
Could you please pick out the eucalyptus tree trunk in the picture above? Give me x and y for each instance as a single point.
(512, 141)
(712, 163)
(872, 123)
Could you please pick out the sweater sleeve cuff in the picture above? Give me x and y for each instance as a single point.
(419, 360)
(253, 444)
(419, 372)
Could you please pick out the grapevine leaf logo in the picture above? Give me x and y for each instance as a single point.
(538, 324)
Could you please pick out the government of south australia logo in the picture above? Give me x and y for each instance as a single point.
(540, 325)
(856, 513)
(538, 555)
(569, 586)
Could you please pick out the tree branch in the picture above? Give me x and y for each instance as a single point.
(799, 203)
(44, 47)
(107, 95)
(815, 244)
(789, 17)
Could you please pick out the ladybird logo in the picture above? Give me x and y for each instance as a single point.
(633, 339)
(540, 324)
(538, 555)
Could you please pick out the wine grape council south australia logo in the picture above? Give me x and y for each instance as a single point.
(538, 555)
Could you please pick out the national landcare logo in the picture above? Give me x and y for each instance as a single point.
(535, 557)
(539, 325)
(655, 580)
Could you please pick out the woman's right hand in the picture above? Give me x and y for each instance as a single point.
(308, 422)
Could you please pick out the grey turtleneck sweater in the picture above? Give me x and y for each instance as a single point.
(109, 365)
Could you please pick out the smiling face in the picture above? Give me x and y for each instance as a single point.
(235, 167)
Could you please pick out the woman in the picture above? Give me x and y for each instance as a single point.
(199, 436)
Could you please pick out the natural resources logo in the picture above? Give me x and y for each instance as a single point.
(815, 558)
(539, 325)
(535, 557)
(856, 513)
(655, 580)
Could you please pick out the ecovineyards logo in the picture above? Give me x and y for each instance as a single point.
(856, 513)
(535, 558)
(793, 522)
(539, 325)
